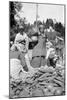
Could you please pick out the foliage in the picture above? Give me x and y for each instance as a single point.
(16, 20)
(60, 28)
(49, 22)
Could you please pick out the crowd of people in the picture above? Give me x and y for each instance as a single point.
(47, 50)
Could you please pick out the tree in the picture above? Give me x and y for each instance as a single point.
(49, 22)
(14, 8)
(12, 13)
(60, 28)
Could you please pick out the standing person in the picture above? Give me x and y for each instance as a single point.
(39, 51)
(21, 41)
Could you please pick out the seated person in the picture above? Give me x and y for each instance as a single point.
(52, 58)
(21, 42)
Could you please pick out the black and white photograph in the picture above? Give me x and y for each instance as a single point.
(36, 49)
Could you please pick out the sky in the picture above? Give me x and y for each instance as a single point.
(44, 11)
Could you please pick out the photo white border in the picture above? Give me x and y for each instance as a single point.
(4, 48)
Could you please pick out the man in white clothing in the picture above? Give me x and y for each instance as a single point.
(21, 42)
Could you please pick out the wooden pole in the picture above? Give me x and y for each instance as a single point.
(36, 15)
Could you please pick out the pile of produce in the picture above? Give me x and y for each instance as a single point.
(47, 81)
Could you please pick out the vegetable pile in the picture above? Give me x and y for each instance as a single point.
(47, 81)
